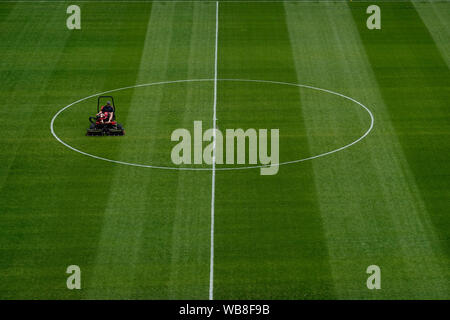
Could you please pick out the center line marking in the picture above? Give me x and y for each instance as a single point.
(213, 177)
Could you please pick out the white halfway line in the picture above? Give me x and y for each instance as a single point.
(213, 176)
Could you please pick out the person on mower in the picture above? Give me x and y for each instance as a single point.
(108, 110)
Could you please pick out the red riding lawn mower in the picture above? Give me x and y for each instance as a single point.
(104, 123)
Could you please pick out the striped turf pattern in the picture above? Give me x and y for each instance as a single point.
(308, 232)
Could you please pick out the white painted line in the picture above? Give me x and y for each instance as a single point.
(372, 121)
(213, 176)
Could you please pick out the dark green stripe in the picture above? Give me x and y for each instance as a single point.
(269, 236)
(65, 193)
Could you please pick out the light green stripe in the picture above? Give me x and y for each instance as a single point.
(436, 17)
(189, 268)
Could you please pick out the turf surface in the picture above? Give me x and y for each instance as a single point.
(308, 232)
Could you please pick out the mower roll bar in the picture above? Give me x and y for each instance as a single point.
(112, 101)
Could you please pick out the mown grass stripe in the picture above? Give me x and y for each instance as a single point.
(148, 247)
(122, 234)
(190, 239)
(64, 191)
(367, 195)
(269, 240)
(25, 74)
(436, 17)
(417, 102)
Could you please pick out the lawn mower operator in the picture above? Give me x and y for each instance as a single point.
(109, 110)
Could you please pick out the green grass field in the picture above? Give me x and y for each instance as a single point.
(308, 232)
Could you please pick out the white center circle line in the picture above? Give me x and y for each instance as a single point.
(209, 169)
